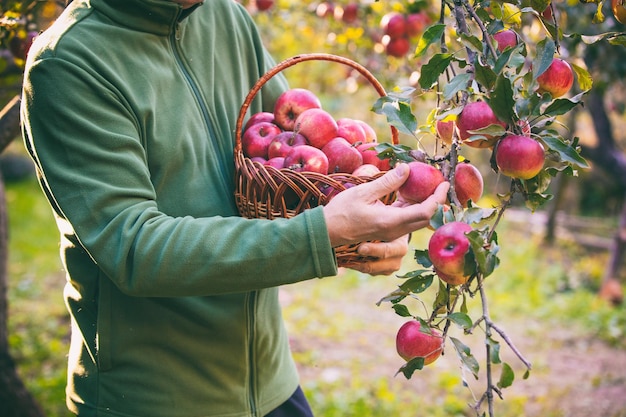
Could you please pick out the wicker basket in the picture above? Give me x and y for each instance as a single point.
(267, 193)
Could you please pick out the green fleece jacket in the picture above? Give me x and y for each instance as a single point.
(129, 109)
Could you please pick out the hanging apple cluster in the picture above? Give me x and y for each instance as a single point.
(300, 135)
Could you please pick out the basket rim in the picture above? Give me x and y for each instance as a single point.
(291, 61)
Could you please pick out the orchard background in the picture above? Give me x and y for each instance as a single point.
(558, 287)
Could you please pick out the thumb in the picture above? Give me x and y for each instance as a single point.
(389, 182)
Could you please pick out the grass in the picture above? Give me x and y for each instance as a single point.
(541, 286)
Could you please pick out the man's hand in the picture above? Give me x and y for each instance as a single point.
(387, 256)
(357, 215)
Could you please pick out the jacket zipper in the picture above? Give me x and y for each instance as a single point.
(174, 40)
(251, 304)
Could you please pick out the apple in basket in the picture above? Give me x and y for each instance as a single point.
(307, 158)
(291, 103)
(342, 156)
(256, 140)
(283, 142)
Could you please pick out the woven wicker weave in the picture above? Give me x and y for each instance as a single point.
(265, 192)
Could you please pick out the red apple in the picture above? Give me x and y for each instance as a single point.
(342, 156)
(349, 13)
(350, 130)
(422, 181)
(506, 38)
(396, 47)
(370, 133)
(263, 116)
(416, 23)
(477, 115)
(256, 140)
(317, 125)
(307, 158)
(277, 162)
(468, 183)
(291, 103)
(557, 79)
(283, 142)
(413, 342)
(366, 170)
(264, 4)
(370, 156)
(447, 248)
(445, 130)
(619, 10)
(519, 156)
(393, 24)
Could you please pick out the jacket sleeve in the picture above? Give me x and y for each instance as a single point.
(93, 169)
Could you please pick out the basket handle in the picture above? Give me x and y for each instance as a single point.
(293, 61)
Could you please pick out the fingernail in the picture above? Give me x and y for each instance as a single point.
(364, 250)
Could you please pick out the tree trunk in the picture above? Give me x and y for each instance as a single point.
(15, 399)
(612, 160)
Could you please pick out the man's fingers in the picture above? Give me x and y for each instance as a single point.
(388, 183)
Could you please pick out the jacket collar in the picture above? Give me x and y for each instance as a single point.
(154, 16)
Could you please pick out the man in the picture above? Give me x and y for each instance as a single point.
(129, 111)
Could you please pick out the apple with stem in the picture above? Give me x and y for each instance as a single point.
(317, 125)
(557, 79)
(468, 183)
(414, 342)
(291, 103)
(257, 138)
(307, 158)
(342, 156)
(447, 248)
(283, 142)
(422, 181)
(519, 156)
(475, 116)
(263, 116)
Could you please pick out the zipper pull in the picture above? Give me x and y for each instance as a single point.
(177, 31)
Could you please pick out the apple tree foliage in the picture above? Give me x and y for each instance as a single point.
(455, 61)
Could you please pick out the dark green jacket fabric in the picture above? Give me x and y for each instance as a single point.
(129, 109)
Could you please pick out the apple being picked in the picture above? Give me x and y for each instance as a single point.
(414, 342)
(307, 158)
(447, 248)
(422, 182)
(475, 116)
(291, 103)
(557, 79)
(342, 156)
(519, 156)
(257, 138)
(317, 125)
(468, 183)
(283, 142)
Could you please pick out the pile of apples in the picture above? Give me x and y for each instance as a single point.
(300, 135)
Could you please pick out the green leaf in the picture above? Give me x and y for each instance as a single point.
(477, 214)
(393, 297)
(484, 75)
(506, 377)
(559, 107)
(461, 319)
(494, 350)
(566, 152)
(536, 200)
(430, 36)
(422, 258)
(418, 284)
(465, 355)
(400, 115)
(411, 366)
(471, 42)
(502, 101)
(458, 83)
(544, 55)
(433, 69)
(401, 310)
